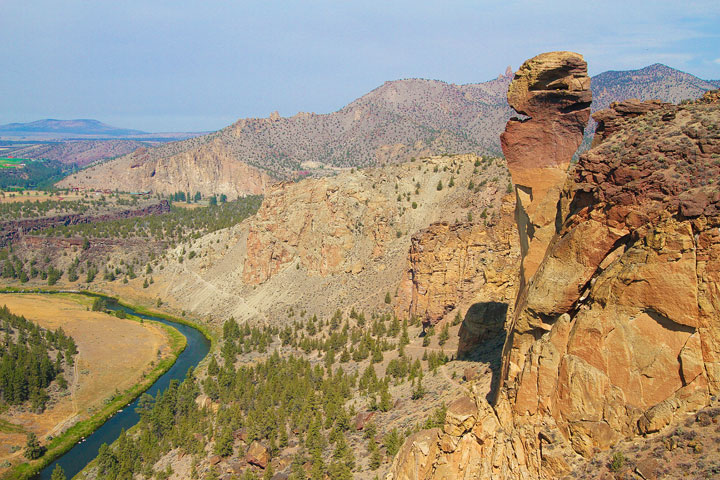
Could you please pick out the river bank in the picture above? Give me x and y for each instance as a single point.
(178, 331)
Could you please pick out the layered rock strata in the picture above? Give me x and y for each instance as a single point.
(351, 223)
(210, 169)
(15, 229)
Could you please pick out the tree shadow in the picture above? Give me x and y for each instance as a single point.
(482, 336)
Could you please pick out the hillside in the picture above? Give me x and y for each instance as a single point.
(395, 122)
(78, 152)
(657, 81)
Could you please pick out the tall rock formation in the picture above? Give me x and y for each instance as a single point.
(553, 90)
(453, 266)
(618, 330)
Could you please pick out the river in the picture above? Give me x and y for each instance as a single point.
(75, 459)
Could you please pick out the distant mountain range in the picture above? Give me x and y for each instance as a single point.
(78, 142)
(397, 121)
(81, 128)
(656, 81)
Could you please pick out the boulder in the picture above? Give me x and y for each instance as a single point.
(257, 455)
(460, 417)
(362, 419)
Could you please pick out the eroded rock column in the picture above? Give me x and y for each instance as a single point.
(553, 90)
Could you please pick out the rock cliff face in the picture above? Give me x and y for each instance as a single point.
(553, 90)
(14, 229)
(618, 330)
(344, 224)
(619, 327)
(451, 267)
(209, 169)
(334, 242)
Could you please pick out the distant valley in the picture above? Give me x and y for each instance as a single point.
(77, 142)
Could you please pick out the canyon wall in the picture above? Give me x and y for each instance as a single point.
(14, 229)
(618, 329)
(210, 169)
(452, 267)
(338, 242)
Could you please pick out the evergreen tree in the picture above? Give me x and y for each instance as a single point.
(33, 449)
(444, 335)
(58, 473)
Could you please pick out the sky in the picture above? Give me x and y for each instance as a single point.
(180, 65)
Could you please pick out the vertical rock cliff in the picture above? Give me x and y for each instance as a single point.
(553, 91)
(617, 330)
(453, 266)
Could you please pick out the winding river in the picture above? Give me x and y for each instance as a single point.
(75, 459)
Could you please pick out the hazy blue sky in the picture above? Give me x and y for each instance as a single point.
(199, 65)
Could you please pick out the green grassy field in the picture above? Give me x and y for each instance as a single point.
(12, 162)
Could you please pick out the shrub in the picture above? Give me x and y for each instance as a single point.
(617, 462)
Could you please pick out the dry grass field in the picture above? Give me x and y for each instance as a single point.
(37, 196)
(43, 196)
(114, 355)
(189, 206)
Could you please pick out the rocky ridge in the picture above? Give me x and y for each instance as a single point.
(395, 122)
(14, 229)
(210, 170)
(616, 333)
(451, 267)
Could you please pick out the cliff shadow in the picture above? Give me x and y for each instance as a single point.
(482, 336)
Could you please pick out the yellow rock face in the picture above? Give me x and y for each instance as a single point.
(617, 332)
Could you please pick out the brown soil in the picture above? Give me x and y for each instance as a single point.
(114, 354)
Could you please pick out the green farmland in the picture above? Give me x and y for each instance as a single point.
(13, 162)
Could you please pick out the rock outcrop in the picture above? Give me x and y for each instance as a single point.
(15, 229)
(610, 119)
(343, 224)
(210, 169)
(329, 243)
(553, 90)
(618, 330)
(454, 266)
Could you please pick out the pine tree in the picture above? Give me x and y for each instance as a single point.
(385, 399)
(444, 335)
(213, 368)
(58, 473)
(33, 449)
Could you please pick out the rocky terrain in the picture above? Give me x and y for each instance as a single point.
(601, 279)
(452, 266)
(397, 121)
(15, 229)
(340, 241)
(210, 170)
(615, 333)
